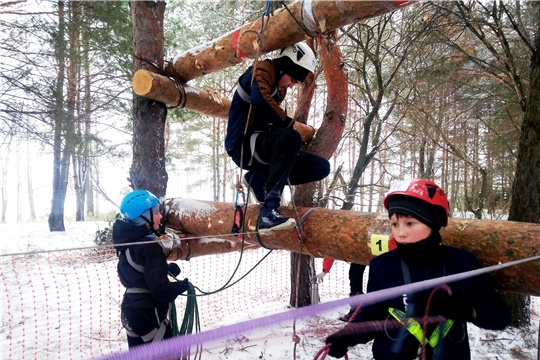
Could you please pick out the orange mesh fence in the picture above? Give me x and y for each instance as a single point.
(66, 304)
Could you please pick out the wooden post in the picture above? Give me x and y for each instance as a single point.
(347, 235)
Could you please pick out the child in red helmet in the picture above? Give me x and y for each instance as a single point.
(417, 210)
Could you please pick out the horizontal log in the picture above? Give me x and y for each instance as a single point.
(163, 89)
(346, 235)
(280, 30)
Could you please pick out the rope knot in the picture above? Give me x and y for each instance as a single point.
(296, 339)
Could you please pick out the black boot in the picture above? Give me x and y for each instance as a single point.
(347, 316)
(271, 219)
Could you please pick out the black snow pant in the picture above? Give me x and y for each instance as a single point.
(278, 157)
(356, 280)
(145, 324)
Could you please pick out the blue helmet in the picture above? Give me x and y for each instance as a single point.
(137, 202)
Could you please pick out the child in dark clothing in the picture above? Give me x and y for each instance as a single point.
(143, 270)
(266, 144)
(417, 210)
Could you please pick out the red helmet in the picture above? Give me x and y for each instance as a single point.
(422, 189)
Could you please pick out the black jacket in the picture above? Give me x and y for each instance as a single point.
(149, 258)
(387, 271)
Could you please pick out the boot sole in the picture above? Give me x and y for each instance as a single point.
(287, 225)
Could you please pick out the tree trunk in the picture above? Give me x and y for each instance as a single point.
(60, 167)
(4, 183)
(302, 272)
(302, 265)
(76, 141)
(18, 191)
(30, 187)
(525, 204)
(148, 166)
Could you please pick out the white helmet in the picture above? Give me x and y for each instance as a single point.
(301, 55)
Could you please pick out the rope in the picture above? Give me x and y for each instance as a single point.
(300, 222)
(424, 327)
(190, 320)
(301, 227)
(181, 94)
(227, 285)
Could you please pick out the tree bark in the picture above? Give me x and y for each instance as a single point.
(346, 235)
(148, 166)
(281, 30)
(60, 165)
(30, 187)
(525, 205)
(302, 265)
(79, 168)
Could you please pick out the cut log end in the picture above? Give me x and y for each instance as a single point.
(142, 82)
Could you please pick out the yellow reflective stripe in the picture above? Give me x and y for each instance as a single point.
(434, 338)
(412, 325)
(415, 328)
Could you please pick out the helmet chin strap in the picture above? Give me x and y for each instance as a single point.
(150, 222)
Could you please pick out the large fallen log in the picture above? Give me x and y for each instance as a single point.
(351, 236)
(317, 16)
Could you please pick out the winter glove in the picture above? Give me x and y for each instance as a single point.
(183, 285)
(456, 309)
(174, 269)
(341, 340)
(172, 236)
(320, 276)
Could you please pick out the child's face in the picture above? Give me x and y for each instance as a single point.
(157, 219)
(286, 82)
(408, 230)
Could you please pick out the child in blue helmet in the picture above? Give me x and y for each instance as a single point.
(417, 210)
(143, 270)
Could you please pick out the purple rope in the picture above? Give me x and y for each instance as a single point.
(171, 348)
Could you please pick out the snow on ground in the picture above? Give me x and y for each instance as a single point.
(64, 306)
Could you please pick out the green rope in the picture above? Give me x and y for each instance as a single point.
(191, 319)
(228, 283)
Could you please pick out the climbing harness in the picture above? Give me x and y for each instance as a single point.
(157, 333)
(415, 329)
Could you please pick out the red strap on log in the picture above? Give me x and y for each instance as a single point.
(236, 48)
